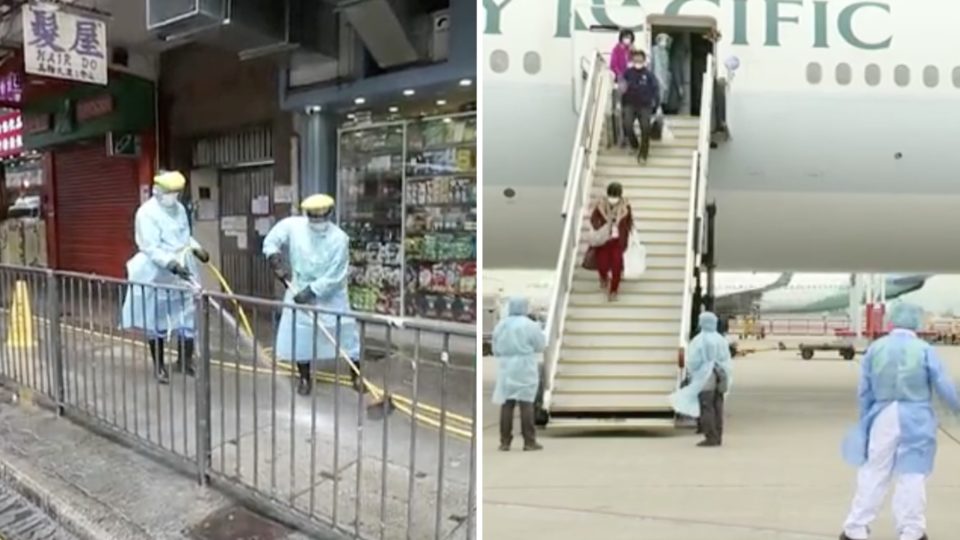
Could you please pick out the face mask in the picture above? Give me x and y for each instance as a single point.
(613, 200)
(319, 226)
(626, 41)
(169, 199)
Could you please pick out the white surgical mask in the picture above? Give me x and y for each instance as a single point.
(169, 199)
(613, 200)
(626, 41)
(319, 226)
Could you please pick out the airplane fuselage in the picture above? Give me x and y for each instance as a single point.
(843, 116)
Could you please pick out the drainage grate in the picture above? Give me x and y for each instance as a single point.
(237, 523)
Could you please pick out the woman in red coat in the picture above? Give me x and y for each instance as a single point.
(612, 221)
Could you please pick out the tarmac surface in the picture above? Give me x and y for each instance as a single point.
(779, 475)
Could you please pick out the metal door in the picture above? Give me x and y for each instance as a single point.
(245, 217)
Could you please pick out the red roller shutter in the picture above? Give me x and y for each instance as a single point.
(96, 199)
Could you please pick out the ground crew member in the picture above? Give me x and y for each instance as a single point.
(897, 433)
(167, 255)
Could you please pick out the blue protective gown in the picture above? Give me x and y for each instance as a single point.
(319, 260)
(903, 368)
(517, 344)
(706, 351)
(162, 235)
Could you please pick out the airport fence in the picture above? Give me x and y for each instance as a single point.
(381, 443)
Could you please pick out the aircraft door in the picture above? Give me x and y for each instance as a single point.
(603, 24)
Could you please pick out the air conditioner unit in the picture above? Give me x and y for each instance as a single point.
(440, 38)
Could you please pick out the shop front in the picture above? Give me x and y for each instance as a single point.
(391, 131)
(407, 198)
(98, 153)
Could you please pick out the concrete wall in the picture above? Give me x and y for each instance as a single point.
(205, 91)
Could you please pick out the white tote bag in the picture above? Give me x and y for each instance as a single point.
(635, 259)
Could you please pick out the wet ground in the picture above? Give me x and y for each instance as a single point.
(779, 475)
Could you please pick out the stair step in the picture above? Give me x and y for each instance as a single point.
(656, 249)
(652, 214)
(662, 355)
(622, 327)
(596, 300)
(617, 311)
(618, 424)
(647, 339)
(603, 385)
(624, 172)
(648, 236)
(652, 225)
(587, 291)
(629, 159)
(676, 194)
(652, 274)
(655, 151)
(618, 369)
(615, 403)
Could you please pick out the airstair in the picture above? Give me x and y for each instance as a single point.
(614, 364)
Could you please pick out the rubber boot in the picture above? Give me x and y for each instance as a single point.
(305, 387)
(355, 379)
(159, 369)
(185, 348)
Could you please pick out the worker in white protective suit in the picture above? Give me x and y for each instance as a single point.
(167, 257)
(518, 343)
(319, 253)
(896, 437)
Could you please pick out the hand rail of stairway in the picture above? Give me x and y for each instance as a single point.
(579, 179)
(698, 194)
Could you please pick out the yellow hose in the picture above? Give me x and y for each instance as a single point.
(401, 402)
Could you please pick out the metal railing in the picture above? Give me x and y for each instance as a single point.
(579, 181)
(397, 461)
(696, 221)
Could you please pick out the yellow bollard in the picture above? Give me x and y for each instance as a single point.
(20, 333)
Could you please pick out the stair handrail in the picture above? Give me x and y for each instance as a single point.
(579, 179)
(695, 218)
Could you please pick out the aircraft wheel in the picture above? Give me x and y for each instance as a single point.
(848, 354)
(806, 354)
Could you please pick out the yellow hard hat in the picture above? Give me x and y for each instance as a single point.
(318, 202)
(170, 181)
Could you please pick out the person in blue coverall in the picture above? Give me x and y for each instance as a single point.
(710, 375)
(319, 255)
(167, 255)
(896, 436)
(518, 343)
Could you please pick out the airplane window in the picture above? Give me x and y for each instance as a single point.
(956, 77)
(814, 73)
(931, 76)
(499, 61)
(531, 62)
(844, 74)
(872, 74)
(901, 75)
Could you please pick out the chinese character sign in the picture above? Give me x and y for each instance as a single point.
(11, 134)
(64, 45)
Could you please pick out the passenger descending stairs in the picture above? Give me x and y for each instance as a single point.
(618, 361)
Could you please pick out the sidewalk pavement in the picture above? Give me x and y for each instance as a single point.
(779, 475)
(302, 453)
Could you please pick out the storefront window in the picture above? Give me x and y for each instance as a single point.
(441, 219)
(413, 228)
(371, 212)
